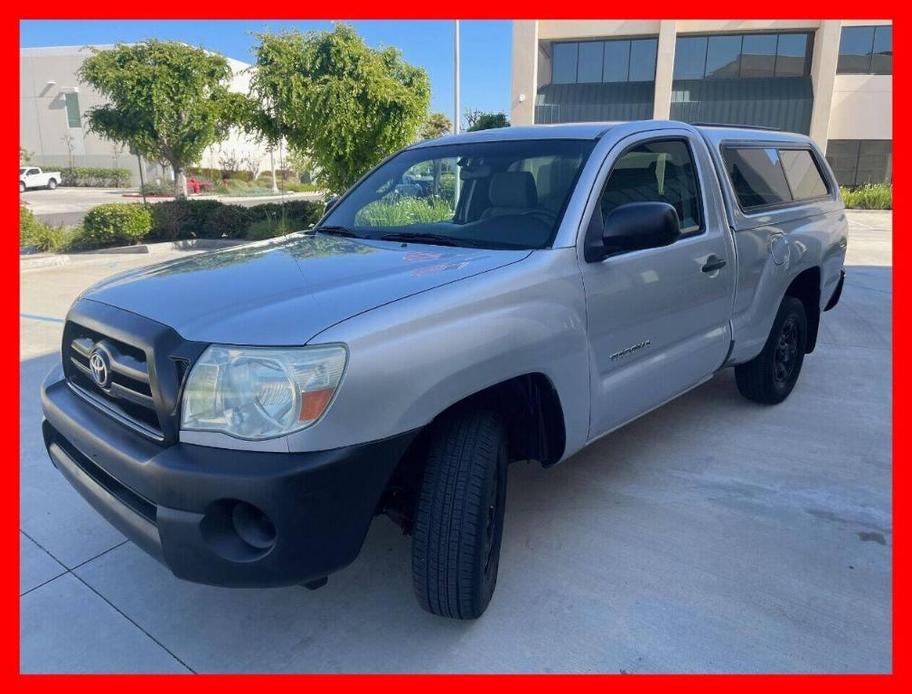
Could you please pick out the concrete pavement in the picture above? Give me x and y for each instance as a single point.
(712, 535)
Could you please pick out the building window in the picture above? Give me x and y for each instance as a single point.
(742, 56)
(866, 51)
(856, 162)
(72, 110)
(620, 60)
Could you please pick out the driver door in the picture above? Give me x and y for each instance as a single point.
(658, 317)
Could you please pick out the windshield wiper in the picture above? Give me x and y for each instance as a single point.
(336, 230)
(416, 237)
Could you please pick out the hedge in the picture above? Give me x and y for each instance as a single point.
(174, 220)
(218, 174)
(89, 176)
(114, 223)
(870, 196)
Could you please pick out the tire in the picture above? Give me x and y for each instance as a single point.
(459, 516)
(771, 375)
(21, 187)
(52, 184)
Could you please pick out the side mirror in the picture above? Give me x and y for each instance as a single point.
(632, 227)
(331, 202)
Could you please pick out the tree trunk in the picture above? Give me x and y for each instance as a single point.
(180, 182)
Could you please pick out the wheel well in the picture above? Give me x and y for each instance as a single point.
(806, 288)
(532, 414)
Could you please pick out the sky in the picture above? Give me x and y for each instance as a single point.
(484, 46)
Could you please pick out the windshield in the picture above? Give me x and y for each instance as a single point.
(507, 194)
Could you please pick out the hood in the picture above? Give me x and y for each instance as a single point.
(285, 292)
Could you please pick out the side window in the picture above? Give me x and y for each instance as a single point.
(802, 174)
(660, 171)
(757, 176)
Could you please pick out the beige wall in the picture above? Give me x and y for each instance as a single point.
(845, 106)
(862, 108)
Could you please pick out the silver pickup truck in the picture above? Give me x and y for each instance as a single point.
(503, 295)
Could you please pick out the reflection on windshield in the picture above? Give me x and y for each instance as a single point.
(508, 194)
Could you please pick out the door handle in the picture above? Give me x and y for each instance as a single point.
(713, 263)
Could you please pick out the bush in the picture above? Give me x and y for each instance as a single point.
(218, 174)
(111, 224)
(181, 219)
(42, 236)
(163, 189)
(403, 211)
(227, 221)
(269, 228)
(90, 176)
(870, 196)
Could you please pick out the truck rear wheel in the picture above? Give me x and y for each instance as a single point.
(52, 184)
(771, 375)
(459, 516)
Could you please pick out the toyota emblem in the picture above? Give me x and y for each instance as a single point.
(101, 370)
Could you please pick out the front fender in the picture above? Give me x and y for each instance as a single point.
(414, 358)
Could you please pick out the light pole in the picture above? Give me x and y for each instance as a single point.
(456, 80)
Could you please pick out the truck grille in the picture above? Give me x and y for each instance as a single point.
(120, 382)
(131, 368)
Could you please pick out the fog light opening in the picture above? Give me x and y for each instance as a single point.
(253, 526)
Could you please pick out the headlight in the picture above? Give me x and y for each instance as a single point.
(260, 393)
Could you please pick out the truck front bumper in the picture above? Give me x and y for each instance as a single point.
(216, 516)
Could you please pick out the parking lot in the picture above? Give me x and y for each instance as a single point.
(712, 535)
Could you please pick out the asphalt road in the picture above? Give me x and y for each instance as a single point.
(713, 535)
(67, 206)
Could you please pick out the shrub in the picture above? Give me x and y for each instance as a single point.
(108, 225)
(403, 211)
(218, 174)
(301, 214)
(870, 196)
(42, 236)
(227, 221)
(270, 228)
(91, 176)
(164, 189)
(181, 219)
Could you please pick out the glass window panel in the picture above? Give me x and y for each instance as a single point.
(617, 57)
(690, 58)
(882, 60)
(802, 174)
(758, 55)
(757, 177)
(72, 110)
(792, 55)
(563, 63)
(589, 67)
(855, 46)
(656, 172)
(723, 56)
(643, 60)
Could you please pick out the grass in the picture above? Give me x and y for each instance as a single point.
(870, 196)
(404, 211)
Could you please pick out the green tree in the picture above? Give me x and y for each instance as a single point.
(434, 126)
(481, 120)
(166, 100)
(338, 100)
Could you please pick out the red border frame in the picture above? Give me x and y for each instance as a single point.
(468, 9)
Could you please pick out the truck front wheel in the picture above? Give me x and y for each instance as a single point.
(459, 515)
(771, 375)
